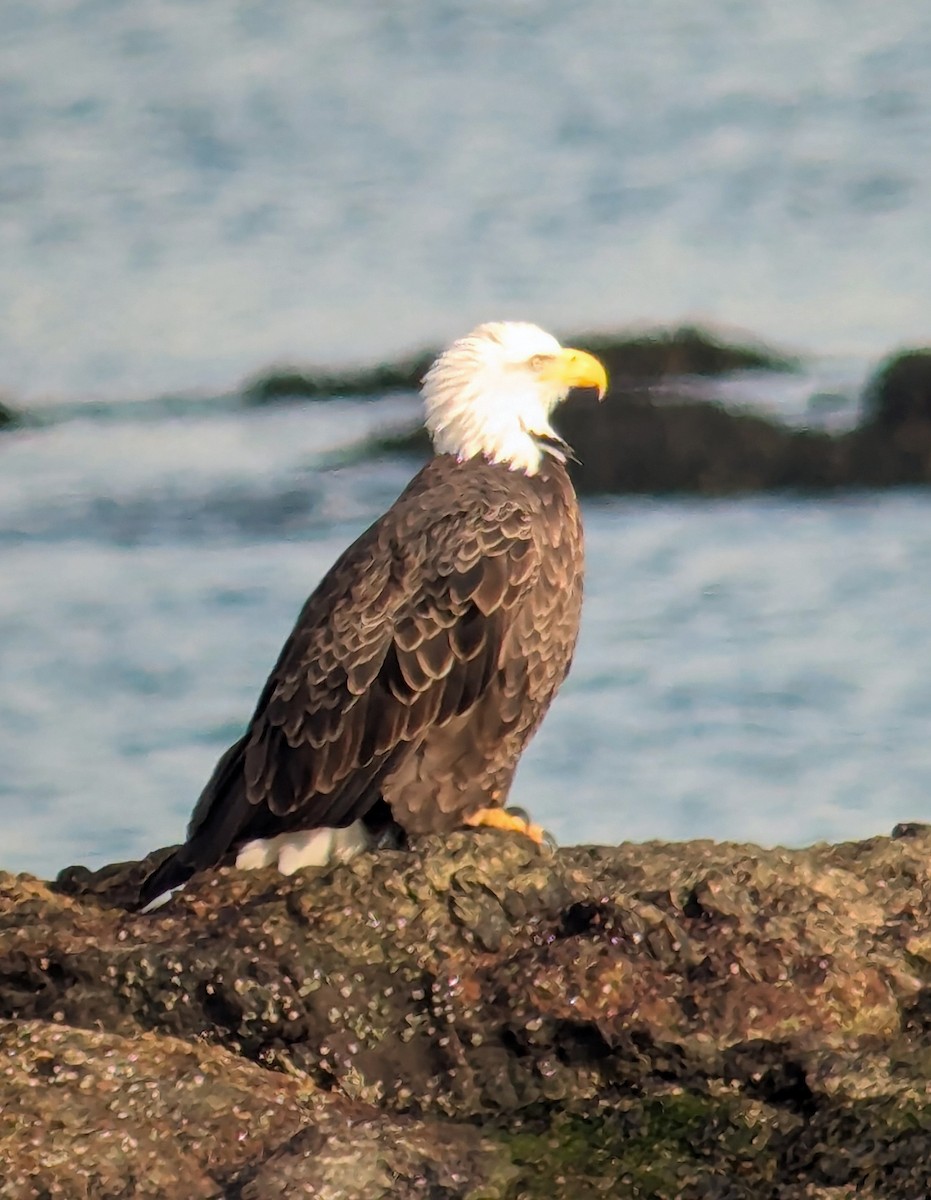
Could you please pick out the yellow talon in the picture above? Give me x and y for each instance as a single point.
(497, 818)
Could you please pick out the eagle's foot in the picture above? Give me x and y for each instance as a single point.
(508, 819)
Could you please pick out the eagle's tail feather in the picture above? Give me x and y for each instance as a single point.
(156, 888)
(218, 818)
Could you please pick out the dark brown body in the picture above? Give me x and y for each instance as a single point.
(417, 671)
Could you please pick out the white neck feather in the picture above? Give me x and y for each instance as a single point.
(469, 422)
(478, 405)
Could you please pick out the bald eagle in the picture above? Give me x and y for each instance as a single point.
(428, 655)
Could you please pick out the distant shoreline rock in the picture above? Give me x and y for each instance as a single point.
(653, 437)
(647, 439)
(8, 418)
(477, 1017)
(676, 352)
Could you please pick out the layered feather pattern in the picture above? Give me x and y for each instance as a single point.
(418, 669)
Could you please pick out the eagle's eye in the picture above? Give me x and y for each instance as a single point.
(540, 360)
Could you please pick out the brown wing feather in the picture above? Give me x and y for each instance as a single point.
(417, 670)
(403, 634)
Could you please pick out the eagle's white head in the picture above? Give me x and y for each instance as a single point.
(492, 392)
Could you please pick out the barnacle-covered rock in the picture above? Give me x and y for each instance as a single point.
(491, 1017)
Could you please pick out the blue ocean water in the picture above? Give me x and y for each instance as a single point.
(189, 192)
(748, 668)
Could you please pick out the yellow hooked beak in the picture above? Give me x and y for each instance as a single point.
(576, 369)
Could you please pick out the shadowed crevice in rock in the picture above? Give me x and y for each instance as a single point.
(647, 1020)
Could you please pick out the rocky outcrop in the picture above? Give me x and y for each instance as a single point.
(93, 1114)
(899, 392)
(640, 443)
(653, 436)
(478, 1017)
(8, 418)
(649, 438)
(646, 440)
(676, 352)
(298, 383)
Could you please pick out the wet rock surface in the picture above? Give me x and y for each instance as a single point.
(477, 1017)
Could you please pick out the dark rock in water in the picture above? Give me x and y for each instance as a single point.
(892, 446)
(636, 444)
(8, 418)
(678, 353)
(477, 1017)
(414, 443)
(899, 393)
(686, 351)
(649, 439)
(293, 383)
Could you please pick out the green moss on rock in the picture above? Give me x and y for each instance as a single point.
(651, 1149)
